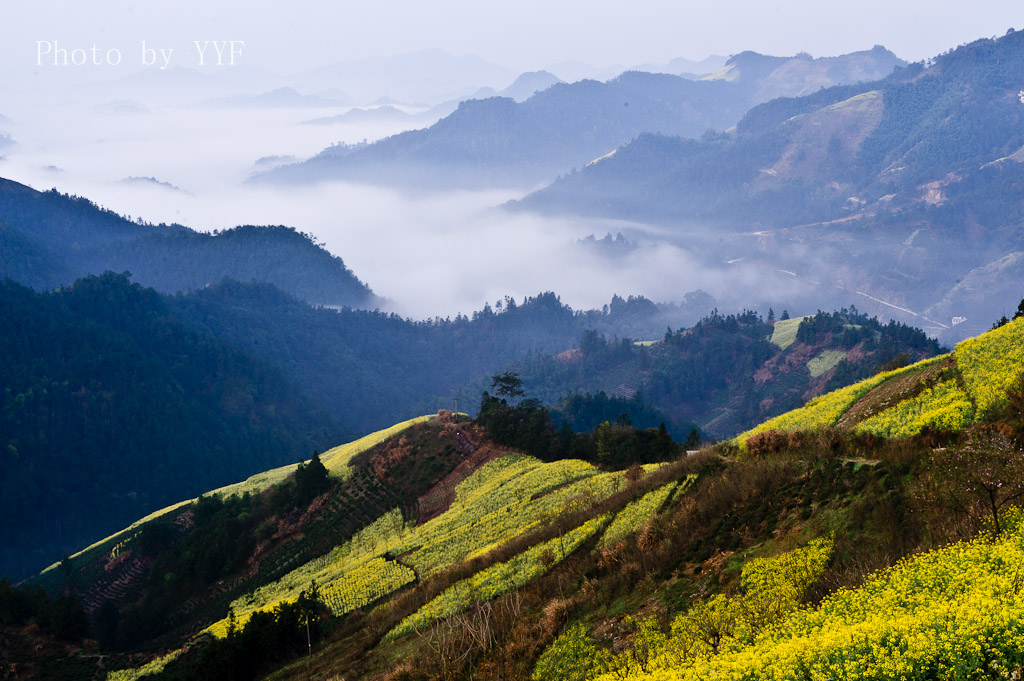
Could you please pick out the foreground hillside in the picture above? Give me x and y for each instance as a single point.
(435, 551)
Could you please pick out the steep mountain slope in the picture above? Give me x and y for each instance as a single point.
(113, 406)
(500, 142)
(48, 239)
(508, 567)
(899, 190)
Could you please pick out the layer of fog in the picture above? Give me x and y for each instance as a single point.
(428, 254)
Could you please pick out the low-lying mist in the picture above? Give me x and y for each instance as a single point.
(429, 254)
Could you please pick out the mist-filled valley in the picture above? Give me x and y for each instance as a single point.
(159, 147)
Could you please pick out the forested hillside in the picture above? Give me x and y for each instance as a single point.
(113, 406)
(48, 239)
(727, 370)
(371, 369)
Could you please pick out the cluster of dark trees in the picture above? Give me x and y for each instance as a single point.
(111, 403)
(61, 616)
(530, 428)
(692, 375)
(250, 652)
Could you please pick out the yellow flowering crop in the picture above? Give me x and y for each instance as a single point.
(991, 363)
(943, 407)
(635, 514)
(824, 411)
(499, 578)
(953, 613)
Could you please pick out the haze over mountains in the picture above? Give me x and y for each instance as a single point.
(794, 183)
(533, 137)
(497, 142)
(906, 189)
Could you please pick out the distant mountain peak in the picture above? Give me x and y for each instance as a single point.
(530, 83)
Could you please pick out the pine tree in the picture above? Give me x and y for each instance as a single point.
(508, 385)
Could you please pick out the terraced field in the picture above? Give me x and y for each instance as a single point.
(502, 500)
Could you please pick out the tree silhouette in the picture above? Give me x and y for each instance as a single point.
(979, 478)
(508, 385)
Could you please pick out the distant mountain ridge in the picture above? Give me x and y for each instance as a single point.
(499, 142)
(772, 77)
(903, 190)
(49, 239)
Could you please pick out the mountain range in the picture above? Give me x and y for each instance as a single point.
(900, 194)
(498, 141)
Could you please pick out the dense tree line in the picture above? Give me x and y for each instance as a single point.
(371, 369)
(530, 428)
(708, 373)
(62, 616)
(267, 639)
(112, 406)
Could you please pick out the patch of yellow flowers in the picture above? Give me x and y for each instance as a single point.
(824, 411)
(944, 406)
(953, 613)
(991, 363)
(499, 578)
(636, 513)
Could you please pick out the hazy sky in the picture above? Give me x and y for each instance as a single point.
(87, 140)
(524, 34)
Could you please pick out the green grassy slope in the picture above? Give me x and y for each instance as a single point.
(336, 461)
(947, 393)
